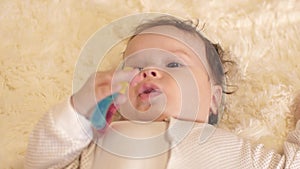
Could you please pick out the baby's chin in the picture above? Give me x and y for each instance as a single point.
(144, 111)
(161, 117)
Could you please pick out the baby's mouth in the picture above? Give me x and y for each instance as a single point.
(147, 91)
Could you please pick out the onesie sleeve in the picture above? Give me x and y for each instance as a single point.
(59, 138)
(259, 157)
(292, 148)
(209, 147)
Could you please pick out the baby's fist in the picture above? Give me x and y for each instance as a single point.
(297, 107)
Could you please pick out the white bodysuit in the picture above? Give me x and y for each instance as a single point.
(59, 140)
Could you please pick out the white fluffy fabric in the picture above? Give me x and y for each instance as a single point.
(41, 42)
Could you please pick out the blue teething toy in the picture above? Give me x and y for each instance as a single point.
(98, 118)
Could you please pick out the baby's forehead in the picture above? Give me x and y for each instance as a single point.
(184, 36)
(188, 38)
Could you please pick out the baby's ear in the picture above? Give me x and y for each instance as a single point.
(216, 98)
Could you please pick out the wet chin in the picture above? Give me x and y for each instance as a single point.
(143, 107)
(144, 110)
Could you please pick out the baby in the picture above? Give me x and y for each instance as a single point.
(175, 76)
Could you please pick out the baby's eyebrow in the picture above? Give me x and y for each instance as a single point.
(185, 56)
(180, 52)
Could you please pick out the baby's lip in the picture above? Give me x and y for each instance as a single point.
(147, 90)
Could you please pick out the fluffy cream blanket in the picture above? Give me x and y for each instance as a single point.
(41, 42)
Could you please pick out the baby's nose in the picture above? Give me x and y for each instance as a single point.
(150, 73)
(144, 74)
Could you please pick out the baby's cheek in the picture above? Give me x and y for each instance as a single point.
(173, 101)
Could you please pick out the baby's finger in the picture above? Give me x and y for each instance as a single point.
(101, 78)
(102, 91)
(116, 88)
(124, 76)
(120, 100)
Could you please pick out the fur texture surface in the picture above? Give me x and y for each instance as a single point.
(41, 42)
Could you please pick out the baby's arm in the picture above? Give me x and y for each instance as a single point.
(292, 145)
(290, 159)
(291, 148)
(58, 138)
(64, 132)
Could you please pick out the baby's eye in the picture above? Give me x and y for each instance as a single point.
(174, 64)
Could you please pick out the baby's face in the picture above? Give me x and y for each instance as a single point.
(173, 60)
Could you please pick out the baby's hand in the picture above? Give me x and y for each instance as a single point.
(297, 107)
(97, 87)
